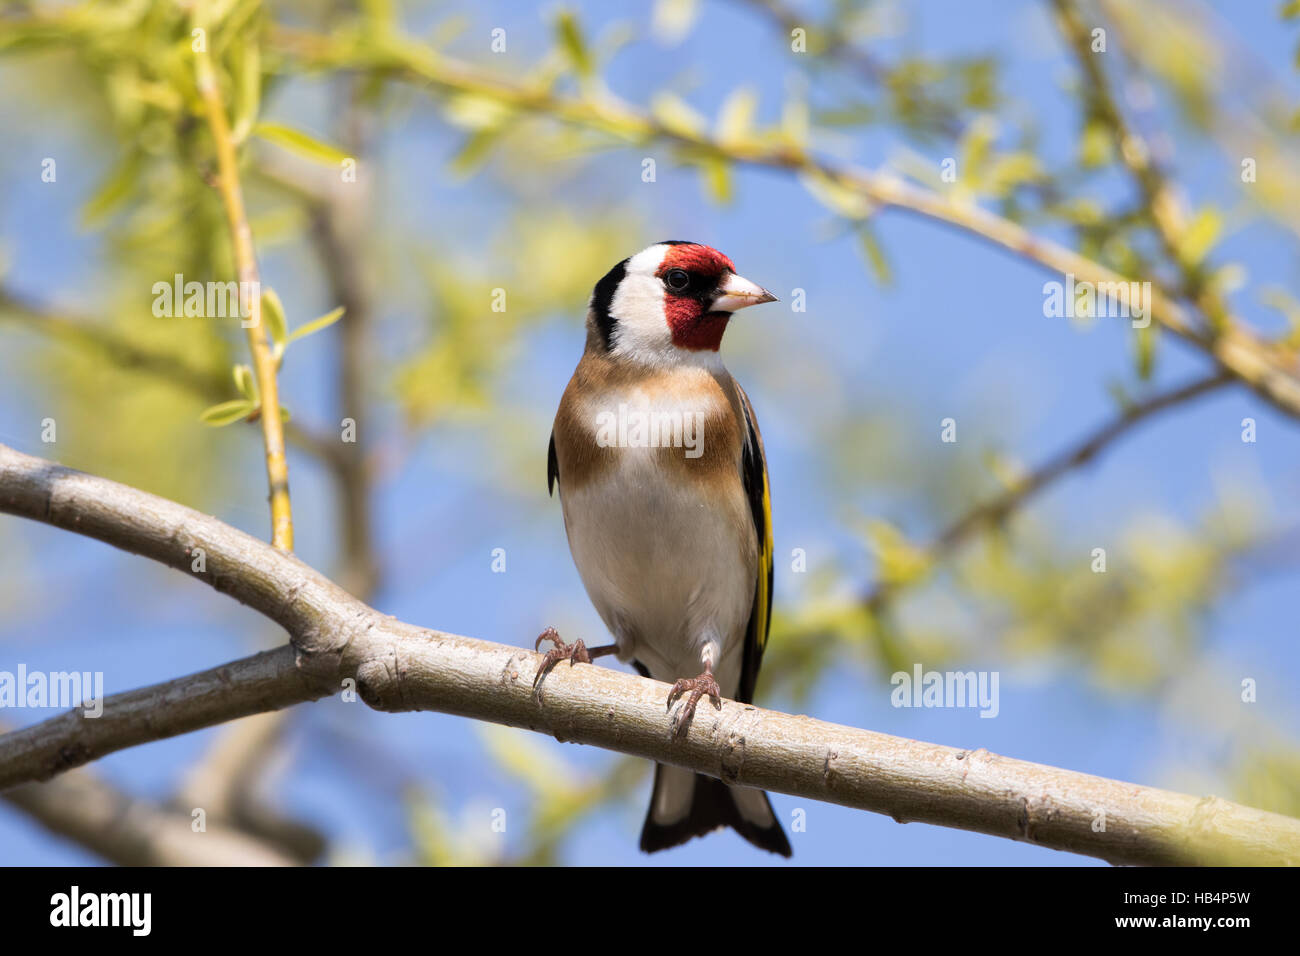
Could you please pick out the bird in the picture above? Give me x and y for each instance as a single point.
(664, 491)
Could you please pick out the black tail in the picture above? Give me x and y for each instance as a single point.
(712, 804)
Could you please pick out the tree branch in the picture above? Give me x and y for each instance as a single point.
(397, 666)
(337, 224)
(1160, 199)
(833, 44)
(208, 384)
(997, 508)
(241, 240)
(133, 832)
(1270, 371)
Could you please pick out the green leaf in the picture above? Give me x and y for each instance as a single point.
(1281, 300)
(296, 141)
(898, 560)
(378, 12)
(245, 383)
(1008, 473)
(976, 149)
(474, 111)
(113, 191)
(1083, 210)
(856, 114)
(1146, 352)
(1009, 170)
(736, 118)
(227, 413)
(1121, 396)
(1096, 146)
(835, 196)
(796, 122)
(875, 254)
(677, 116)
(247, 72)
(717, 179)
(273, 315)
(1228, 278)
(1198, 238)
(315, 325)
(575, 47)
(476, 149)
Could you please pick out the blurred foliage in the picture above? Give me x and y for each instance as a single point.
(558, 799)
(127, 387)
(1269, 778)
(484, 303)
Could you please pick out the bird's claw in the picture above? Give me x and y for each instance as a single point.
(698, 687)
(575, 653)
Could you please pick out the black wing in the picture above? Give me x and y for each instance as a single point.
(753, 471)
(552, 467)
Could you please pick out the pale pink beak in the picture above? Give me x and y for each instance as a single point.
(738, 292)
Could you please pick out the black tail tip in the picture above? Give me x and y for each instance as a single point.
(712, 808)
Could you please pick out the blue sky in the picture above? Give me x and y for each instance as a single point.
(959, 332)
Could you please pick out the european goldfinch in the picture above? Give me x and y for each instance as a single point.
(664, 490)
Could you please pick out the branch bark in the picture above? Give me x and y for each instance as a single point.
(400, 667)
(134, 832)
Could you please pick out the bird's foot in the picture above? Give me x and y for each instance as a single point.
(698, 687)
(575, 653)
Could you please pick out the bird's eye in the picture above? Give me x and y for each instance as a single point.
(677, 279)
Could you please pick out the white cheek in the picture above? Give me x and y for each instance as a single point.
(641, 331)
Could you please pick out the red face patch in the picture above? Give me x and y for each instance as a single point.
(685, 310)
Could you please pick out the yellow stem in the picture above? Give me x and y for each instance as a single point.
(241, 238)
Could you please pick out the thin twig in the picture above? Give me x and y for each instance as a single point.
(227, 774)
(1270, 371)
(995, 510)
(836, 46)
(241, 239)
(208, 384)
(1158, 195)
(205, 381)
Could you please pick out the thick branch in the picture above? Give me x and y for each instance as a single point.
(133, 832)
(397, 666)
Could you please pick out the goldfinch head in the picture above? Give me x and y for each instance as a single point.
(668, 304)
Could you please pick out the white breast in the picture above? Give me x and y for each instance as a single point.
(670, 565)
